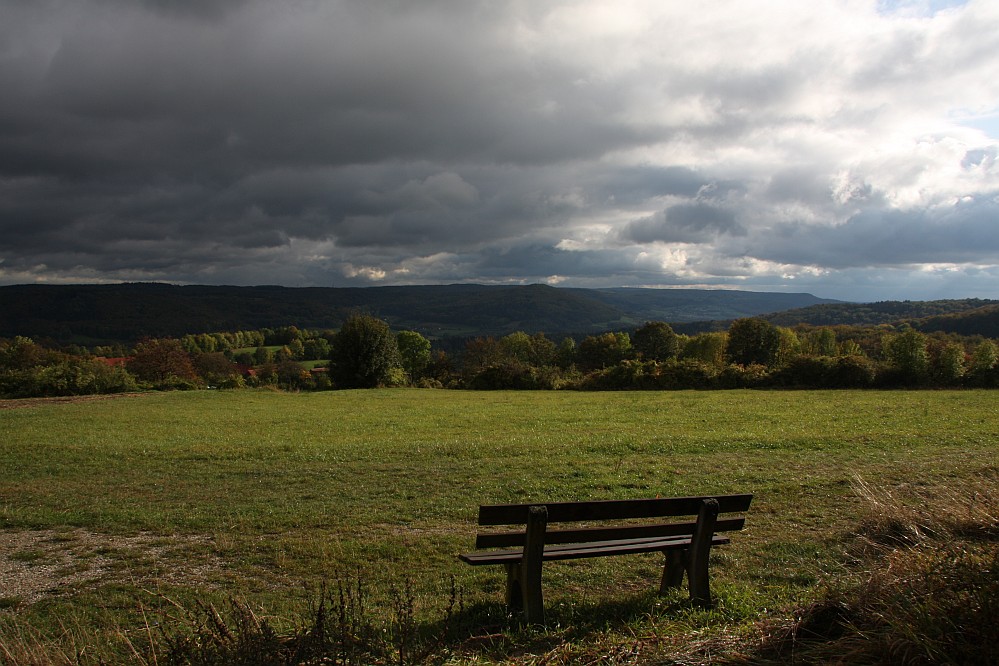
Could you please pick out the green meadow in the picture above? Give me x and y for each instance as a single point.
(121, 515)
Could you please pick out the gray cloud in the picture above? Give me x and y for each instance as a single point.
(588, 143)
(685, 223)
(966, 232)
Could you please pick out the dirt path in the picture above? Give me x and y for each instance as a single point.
(36, 564)
(36, 402)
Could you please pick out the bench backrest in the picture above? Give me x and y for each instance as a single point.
(609, 510)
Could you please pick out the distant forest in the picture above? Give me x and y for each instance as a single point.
(832, 345)
(124, 313)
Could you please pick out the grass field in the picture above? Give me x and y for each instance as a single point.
(116, 513)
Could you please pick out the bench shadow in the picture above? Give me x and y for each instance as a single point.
(488, 629)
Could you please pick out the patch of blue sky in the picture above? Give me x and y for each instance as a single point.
(986, 122)
(918, 8)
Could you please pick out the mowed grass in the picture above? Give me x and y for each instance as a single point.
(253, 494)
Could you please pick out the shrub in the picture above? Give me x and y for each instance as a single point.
(503, 376)
(738, 376)
(820, 372)
(69, 376)
(853, 372)
(687, 374)
(625, 375)
(806, 372)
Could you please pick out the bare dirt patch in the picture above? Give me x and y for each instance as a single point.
(37, 402)
(38, 564)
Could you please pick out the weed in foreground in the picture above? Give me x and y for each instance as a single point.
(913, 515)
(341, 627)
(931, 595)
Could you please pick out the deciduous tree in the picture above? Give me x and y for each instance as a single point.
(656, 341)
(753, 341)
(984, 357)
(414, 352)
(365, 354)
(603, 351)
(906, 355)
(160, 361)
(707, 347)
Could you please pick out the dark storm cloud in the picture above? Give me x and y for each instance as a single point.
(542, 261)
(685, 223)
(638, 184)
(305, 142)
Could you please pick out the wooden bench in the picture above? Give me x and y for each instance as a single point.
(686, 543)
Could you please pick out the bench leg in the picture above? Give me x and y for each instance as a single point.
(523, 593)
(673, 569)
(523, 579)
(530, 567)
(514, 594)
(700, 549)
(534, 602)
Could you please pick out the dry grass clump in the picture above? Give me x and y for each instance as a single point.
(22, 645)
(28, 648)
(931, 595)
(912, 515)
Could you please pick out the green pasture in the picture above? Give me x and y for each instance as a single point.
(137, 503)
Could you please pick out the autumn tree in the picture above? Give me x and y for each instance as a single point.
(162, 361)
(565, 354)
(21, 353)
(528, 350)
(262, 355)
(788, 346)
(217, 370)
(315, 349)
(479, 354)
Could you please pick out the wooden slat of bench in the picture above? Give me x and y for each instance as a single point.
(587, 534)
(579, 551)
(516, 514)
(576, 551)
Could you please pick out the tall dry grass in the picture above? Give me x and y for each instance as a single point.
(929, 593)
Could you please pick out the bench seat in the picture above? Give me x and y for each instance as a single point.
(685, 543)
(575, 551)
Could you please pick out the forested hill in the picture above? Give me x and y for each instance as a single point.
(126, 312)
(977, 321)
(969, 316)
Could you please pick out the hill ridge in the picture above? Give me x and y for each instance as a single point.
(86, 314)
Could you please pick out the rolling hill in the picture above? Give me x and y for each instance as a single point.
(91, 314)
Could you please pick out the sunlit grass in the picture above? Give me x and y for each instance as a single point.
(256, 493)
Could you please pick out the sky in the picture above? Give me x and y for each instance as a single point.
(845, 148)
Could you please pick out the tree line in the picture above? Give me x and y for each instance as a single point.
(365, 353)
